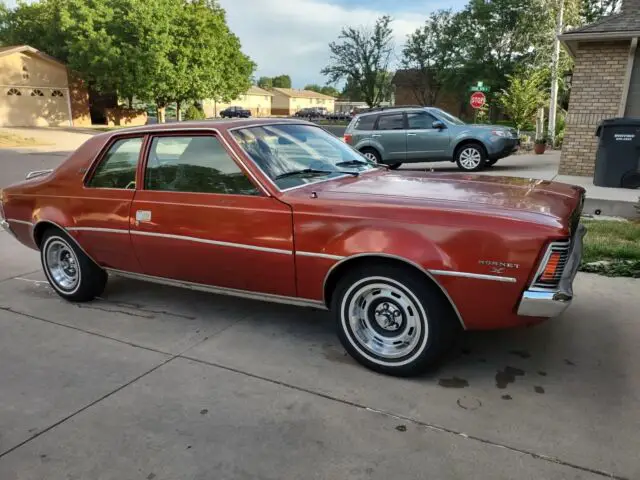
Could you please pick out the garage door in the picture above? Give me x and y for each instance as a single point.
(34, 107)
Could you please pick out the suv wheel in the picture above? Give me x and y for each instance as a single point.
(471, 157)
(395, 166)
(371, 154)
(491, 162)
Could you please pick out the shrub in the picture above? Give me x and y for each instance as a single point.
(194, 113)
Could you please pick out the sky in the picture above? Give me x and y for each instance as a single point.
(292, 36)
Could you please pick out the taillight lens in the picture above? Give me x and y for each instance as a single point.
(347, 138)
(553, 264)
(550, 269)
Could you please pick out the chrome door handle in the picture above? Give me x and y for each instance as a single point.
(143, 216)
(411, 134)
(376, 135)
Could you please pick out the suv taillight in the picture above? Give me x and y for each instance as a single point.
(347, 138)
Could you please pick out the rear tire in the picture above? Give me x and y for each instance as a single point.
(471, 157)
(70, 272)
(392, 319)
(372, 154)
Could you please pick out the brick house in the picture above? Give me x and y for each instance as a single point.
(605, 83)
(410, 88)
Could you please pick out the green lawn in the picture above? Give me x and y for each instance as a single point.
(615, 242)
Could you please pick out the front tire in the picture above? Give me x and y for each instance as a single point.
(395, 166)
(70, 272)
(392, 320)
(491, 162)
(471, 157)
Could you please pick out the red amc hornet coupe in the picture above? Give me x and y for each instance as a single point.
(281, 210)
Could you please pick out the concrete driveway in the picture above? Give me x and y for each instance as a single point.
(152, 382)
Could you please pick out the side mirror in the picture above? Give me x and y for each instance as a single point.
(438, 125)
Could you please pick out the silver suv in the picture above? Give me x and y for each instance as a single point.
(398, 135)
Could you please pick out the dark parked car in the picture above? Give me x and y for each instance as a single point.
(235, 112)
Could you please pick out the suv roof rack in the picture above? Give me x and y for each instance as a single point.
(395, 107)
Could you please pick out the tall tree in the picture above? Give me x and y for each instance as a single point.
(282, 81)
(331, 91)
(594, 10)
(364, 56)
(314, 87)
(429, 53)
(265, 82)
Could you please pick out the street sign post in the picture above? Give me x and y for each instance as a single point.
(479, 87)
(478, 100)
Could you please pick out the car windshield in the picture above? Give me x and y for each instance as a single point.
(450, 118)
(293, 155)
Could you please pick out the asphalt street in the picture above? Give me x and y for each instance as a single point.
(152, 382)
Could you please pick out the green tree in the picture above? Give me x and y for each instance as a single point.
(523, 96)
(282, 81)
(331, 91)
(364, 55)
(314, 87)
(265, 82)
(429, 53)
(594, 10)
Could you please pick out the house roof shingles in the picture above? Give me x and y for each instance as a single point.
(253, 90)
(293, 93)
(617, 23)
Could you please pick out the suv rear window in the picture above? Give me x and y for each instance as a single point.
(365, 123)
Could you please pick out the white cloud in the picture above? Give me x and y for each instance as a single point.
(292, 36)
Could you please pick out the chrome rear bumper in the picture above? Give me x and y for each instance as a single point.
(5, 225)
(547, 303)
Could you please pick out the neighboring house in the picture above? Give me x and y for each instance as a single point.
(409, 89)
(287, 101)
(38, 90)
(605, 83)
(256, 100)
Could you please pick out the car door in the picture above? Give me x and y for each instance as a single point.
(391, 134)
(101, 212)
(423, 141)
(199, 218)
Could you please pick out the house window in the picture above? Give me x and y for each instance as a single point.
(57, 93)
(14, 91)
(37, 93)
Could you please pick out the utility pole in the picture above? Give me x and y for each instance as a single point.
(553, 105)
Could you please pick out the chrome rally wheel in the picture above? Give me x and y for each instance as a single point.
(62, 265)
(384, 321)
(70, 272)
(392, 318)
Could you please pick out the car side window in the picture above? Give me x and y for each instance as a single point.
(391, 122)
(195, 164)
(117, 169)
(366, 122)
(420, 121)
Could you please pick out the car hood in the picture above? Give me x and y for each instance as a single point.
(519, 195)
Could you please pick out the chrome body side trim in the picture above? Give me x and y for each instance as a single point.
(4, 224)
(395, 257)
(212, 242)
(319, 255)
(38, 173)
(96, 229)
(21, 222)
(477, 276)
(545, 303)
(33, 238)
(267, 297)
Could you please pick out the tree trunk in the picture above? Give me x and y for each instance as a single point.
(130, 99)
(160, 111)
(178, 110)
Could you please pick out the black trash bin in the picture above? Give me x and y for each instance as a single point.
(618, 156)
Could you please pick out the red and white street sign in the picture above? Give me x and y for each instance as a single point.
(478, 100)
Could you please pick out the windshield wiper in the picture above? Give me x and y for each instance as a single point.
(348, 163)
(312, 171)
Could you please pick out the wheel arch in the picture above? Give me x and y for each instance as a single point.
(469, 141)
(42, 225)
(344, 265)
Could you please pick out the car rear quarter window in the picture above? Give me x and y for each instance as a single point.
(365, 122)
(117, 169)
(391, 122)
(194, 164)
